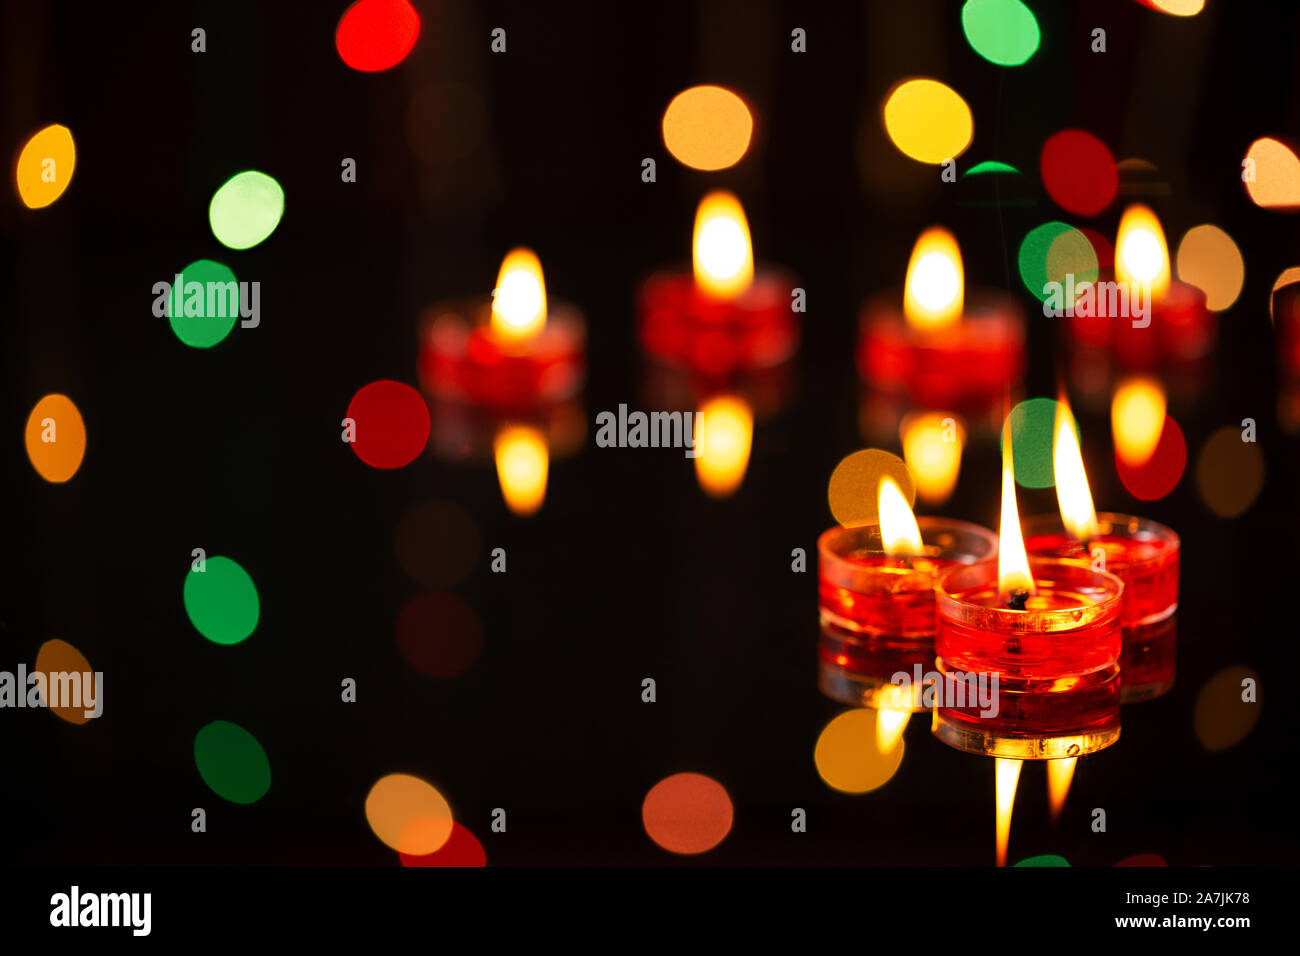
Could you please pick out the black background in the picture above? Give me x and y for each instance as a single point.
(629, 571)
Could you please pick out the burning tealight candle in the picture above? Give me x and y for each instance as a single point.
(1144, 554)
(948, 346)
(876, 595)
(725, 316)
(1140, 312)
(1029, 651)
(503, 372)
(513, 351)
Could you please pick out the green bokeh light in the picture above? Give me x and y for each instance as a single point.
(221, 601)
(990, 166)
(1051, 250)
(246, 209)
(1046, 859)
(231, 762)
(1033, 427)
(203, 315)
(1004, 32)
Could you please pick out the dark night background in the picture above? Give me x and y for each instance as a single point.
(629, 570)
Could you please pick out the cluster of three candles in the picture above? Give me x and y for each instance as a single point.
(1041, 628)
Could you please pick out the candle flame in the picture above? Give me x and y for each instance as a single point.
(1059, 774)
(1013, 563)
(892, 718)
(519, 301)
(1072, 494)
(1141, 253)
(932, 449)
(522, 459)
(898, 529)
(724, 432)
(722, 254)
(1008, 777)
(935, 288)
(1137, 419)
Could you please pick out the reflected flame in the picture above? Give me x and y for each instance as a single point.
(724, 432)
(1059, 775)
(1008, 777)
(519, 300)
(1137, 419)
(1141, 253)
(722, 255)
(932, 449)
(1072, 494)
(892, 720)
(1013, 563)
(522, 459)
(898, 529)
(935, 289)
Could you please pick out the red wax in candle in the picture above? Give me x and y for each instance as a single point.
(1055, 663)
(973, 360)
(1286, 318)
(682, 325)
(877, 610)
(1144, 554)
(462, 359)
(1148, 663)
(1180, 327)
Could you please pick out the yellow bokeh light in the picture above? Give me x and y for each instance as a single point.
(519, 300)
(854, 489)
(1137, 419)
(707, 127)
(408, 815)
(1208, 259)
(935, 289)
(1272, 175)
(55, 437)
(721, 251)
(1229, 472)
(45, 165)
(932, 443)
(724, 433)
(849, 756)
(928, 121)
(1178, 8)
(1227, 708)
(522, 461)
(1141, 253)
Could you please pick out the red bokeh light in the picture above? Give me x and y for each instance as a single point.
(392, 424)
(1079, 172)
(375, 35)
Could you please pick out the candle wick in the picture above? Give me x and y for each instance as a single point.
(1017, 600)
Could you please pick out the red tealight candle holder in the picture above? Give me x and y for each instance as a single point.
(1148, 664)
(965, 366)
(1144, 554)
(1181, 328)
(935, 341)
(1056, 663)
(724, 316)
(1285, 313)
(877, 609)
(1178, 326)
(466, 356)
